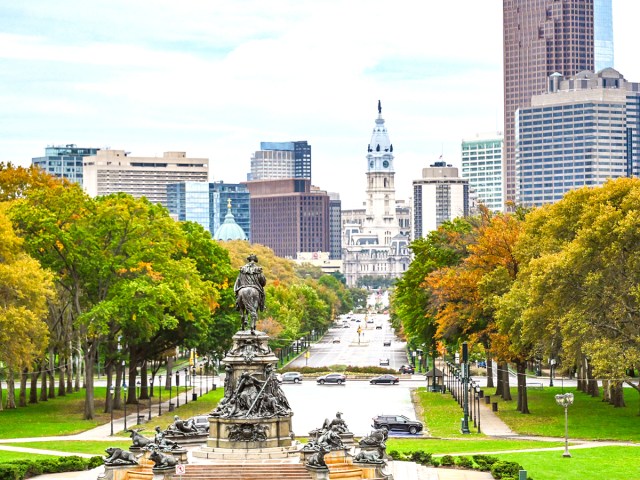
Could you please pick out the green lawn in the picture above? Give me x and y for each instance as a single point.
(75, 446)
(476, 445)
(441, 415)
(11, 456)
(611, 463)
(589, 418)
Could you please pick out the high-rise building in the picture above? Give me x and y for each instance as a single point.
(585, 130)
(438, 197)
(376, 247)
(482, 166)
(229, 230)
(220, 195)
(112, 171)
(289, 217)
(603, 34)
(64, 161)
(540, 37)
(189, 201)
(280, 160)
(335, 226)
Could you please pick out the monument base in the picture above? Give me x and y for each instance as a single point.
(248, 433)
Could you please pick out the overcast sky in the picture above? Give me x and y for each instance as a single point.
(215, 78)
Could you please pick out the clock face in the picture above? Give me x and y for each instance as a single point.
(371, 164)
(385, 164)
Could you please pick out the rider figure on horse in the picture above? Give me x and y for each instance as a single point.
(250, 276)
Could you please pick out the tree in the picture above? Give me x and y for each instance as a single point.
(24, 290)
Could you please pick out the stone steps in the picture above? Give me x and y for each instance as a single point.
(245, 472)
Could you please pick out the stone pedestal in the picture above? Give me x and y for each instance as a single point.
(249, 432)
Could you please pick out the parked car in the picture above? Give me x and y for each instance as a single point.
(386, 343)
(291, 377)
(386, 378)
(346, 325)
(482, 364)
(378, 326)
(370, 321)
(337, 378)
(384, 361)
(201, 422)
(406, 369)
(336, 340)
(397, 423)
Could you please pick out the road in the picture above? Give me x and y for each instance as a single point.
(357, 350)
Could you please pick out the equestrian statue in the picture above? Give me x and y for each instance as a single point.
(249, 290)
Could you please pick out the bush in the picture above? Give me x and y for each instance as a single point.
(423, 458)
(435, 462)
(464, 462)
(20, 469)
(484, 462)
(447, 461)
(505, 470)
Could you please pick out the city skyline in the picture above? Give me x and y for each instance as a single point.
(215, 80)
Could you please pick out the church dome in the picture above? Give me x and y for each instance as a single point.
(229, 230)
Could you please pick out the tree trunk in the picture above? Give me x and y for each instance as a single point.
(33, 391)
(69, 373)
(592, 383)
(500, 380)
(523, 401)
(62, 392)
(22, 400)
(489, 372)
(11, 390)
(108, 404)
(606, 391)
(89, 408)
(79, 365)
(43, 382)
(144, 382)
(52, 374)
(617, 395)
(1, 400)
(167, 382)
(506, 389)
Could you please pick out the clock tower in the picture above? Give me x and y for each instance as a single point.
(380, 213)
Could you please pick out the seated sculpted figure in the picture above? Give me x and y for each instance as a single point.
(182, 426)
(163, 443)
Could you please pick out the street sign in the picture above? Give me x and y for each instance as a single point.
(181, 469)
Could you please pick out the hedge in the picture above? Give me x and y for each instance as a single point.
(21, 469)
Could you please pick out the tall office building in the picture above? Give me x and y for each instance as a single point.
(540, 37)
(482, 167)
(375, 246)
(585, 130)
(280, 160)
(189, 201)
(64, 161)
(603, 34)
(335, 226)
(112, 171)
(289, 217)
(220, 195)
(438, 197)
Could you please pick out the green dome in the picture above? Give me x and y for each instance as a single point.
(229, 230)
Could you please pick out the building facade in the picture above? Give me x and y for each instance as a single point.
(585, 130)
(482, 167)
(112, 171)
(374, 245)
(540, 37)
(603, 34)
(64, 161)
(220, 194)
(289, 217)
(189, 201)
(335, 226)
(280, 160)
(439, 196)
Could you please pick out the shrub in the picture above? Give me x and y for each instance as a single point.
(95, 462)
(395, 455)
(423, 458)
(464, 462)
(20, 469)
(447, 461)
(484, 462)
(505, 470)
(435, 462)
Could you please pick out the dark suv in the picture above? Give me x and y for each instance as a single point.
(397, 423)
(406, 369)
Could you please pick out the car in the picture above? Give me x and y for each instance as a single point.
(201, 422)
(398, 423)
(386, 343)
(336, 340)
(369, 321)
(291, 377)
(378, 326)
(386, 378)
(346, 325)
(482, 364)
(384, 361)
(337, 378)
(406, 369)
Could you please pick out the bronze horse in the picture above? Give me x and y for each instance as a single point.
(248, 302)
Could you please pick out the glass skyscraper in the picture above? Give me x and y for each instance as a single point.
(482, 166)
(603, 34)
(64, 161)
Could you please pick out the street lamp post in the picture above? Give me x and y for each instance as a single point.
(194, 393)
(477, 389)
(186, 381)
(564, 400)
(138, 402)
(552, 362)
(465, 388)
(170, 392)
(150, 393)
(159, 395)
(111, 389)
(178, 389)
(124, 393)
